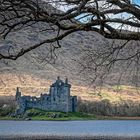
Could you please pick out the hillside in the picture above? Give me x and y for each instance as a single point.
(105, 101)
(33, 85)
(35, 71)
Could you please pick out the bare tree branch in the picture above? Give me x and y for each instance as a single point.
(113, 19)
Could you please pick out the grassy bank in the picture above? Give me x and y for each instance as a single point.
(116, 118)
(36, 114)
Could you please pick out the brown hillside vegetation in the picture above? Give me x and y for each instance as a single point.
(31, 85)
(107, 101)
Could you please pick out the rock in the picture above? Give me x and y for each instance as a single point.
(28, 119)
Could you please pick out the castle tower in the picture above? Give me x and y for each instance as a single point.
(67, 87)
(60, 95)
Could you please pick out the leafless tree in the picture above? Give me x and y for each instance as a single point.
(112, 63)
(113, 19)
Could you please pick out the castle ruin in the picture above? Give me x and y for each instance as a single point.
(58, 99)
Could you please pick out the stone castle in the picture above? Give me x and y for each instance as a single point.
(58, 99)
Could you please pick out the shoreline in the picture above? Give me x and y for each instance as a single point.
(117, 118)
(61, 137)
(70, 119)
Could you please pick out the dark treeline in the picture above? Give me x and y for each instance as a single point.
(103, 107)
(7, 105)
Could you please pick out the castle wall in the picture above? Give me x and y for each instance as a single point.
(58, 99)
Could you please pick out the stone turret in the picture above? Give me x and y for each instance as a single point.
(66, 80)
(18, 94)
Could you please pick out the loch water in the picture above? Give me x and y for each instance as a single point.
(94, 128)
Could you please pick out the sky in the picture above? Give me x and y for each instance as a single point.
(136, 1)
(115, 25)
(65, 8)
(86, 19)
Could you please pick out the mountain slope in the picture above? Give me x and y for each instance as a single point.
(40, 66)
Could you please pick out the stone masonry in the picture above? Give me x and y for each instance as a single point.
(58, 99)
